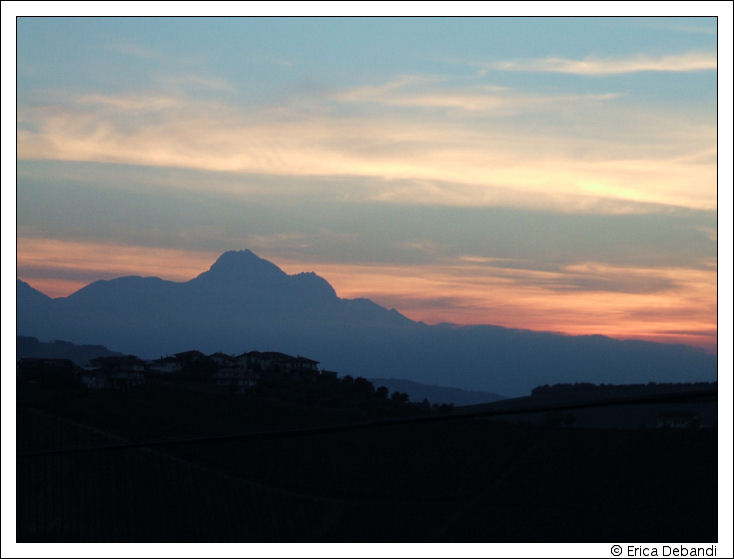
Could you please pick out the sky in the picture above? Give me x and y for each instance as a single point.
(554, 174)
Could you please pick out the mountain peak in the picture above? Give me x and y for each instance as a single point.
(243, 263)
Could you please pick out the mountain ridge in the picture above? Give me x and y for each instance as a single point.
(245, 301)
(29, 346)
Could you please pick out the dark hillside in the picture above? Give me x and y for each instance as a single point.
(461, 480)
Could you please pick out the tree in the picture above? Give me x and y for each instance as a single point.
(425, 404)
(399, 397)
(363, 386)
(382, 392)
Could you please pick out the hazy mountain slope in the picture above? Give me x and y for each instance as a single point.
(436, 394)
(31, 305)
(28, 346)
(244, 302)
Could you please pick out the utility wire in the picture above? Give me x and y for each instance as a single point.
(681, 397)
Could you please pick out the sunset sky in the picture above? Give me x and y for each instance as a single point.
(544, 173)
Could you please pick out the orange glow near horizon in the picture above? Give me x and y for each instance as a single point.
(461, 292)
(101, 261)
(433, 294)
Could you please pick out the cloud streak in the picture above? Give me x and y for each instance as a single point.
(410, 92)
(440, 159)
(132, 103)
(543, 300)
(670, 304)
(195, 81)
(596, 66)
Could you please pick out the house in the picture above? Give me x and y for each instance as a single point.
(223, 360)
(195, 362)
(304, 365)
(235, 379)
(118, 372)
(165, 365)
(95, 380)
(275, 361)
(122, 380)
(246, 360)
(191, 357)
(118, 363)
(108, 379)
(265, 360)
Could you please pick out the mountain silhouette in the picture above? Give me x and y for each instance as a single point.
(28, 346)
(244, 302)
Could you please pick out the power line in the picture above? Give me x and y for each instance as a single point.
(681, 397)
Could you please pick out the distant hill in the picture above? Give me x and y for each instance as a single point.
(703, 409)
(244, 302)
(28, 346)
(436, 394)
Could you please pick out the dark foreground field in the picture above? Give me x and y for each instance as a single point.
(464, 480)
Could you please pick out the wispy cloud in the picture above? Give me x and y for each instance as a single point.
(597, 66)
(685, 27)
(427, 92)
(581, 160)
(380, 91)
(189, 81)
(136, 103)
(283, 62)
(153, 55)
(137, 51)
